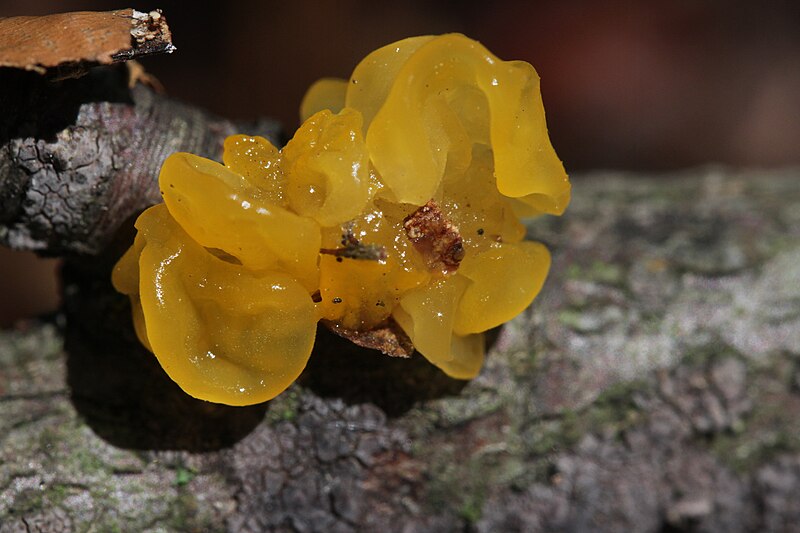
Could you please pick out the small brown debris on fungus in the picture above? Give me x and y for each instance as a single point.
(387, 338)
(82, 38)
(435, 238)
(352, 248)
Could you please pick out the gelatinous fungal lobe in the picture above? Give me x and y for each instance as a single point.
(392, 215)
(426, 100)
(211, 321)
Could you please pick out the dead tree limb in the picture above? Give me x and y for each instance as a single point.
(78, 156)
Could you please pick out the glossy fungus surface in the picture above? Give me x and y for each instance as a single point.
(396, 202)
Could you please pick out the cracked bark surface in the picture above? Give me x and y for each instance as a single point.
(78, 157)
(654, 385)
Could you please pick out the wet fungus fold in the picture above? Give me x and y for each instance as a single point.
(397, 202)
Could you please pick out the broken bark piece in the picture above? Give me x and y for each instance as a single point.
(387, 338)
(150, 34)
(84, 37)
(435, 238)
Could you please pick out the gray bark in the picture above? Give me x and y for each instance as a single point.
(79, 157)
(653, 385)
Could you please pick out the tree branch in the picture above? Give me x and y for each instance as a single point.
(653, 386)
(80, 147)
(80, 156)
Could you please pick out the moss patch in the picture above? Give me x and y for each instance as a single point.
(284, 407)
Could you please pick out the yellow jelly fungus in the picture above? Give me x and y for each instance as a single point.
(327, 168)
(428, 313)
(257, 161)
(183, 289)
(395, 204)
(125, 279)
(401, 90)
(327, 93)
(208, 200)
(487, 303)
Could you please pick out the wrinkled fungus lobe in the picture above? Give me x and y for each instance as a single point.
(396, 201)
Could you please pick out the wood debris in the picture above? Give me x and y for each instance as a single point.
(388, 338)
(83, 38)
(435, 238)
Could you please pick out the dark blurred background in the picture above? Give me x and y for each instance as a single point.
(627, 85)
